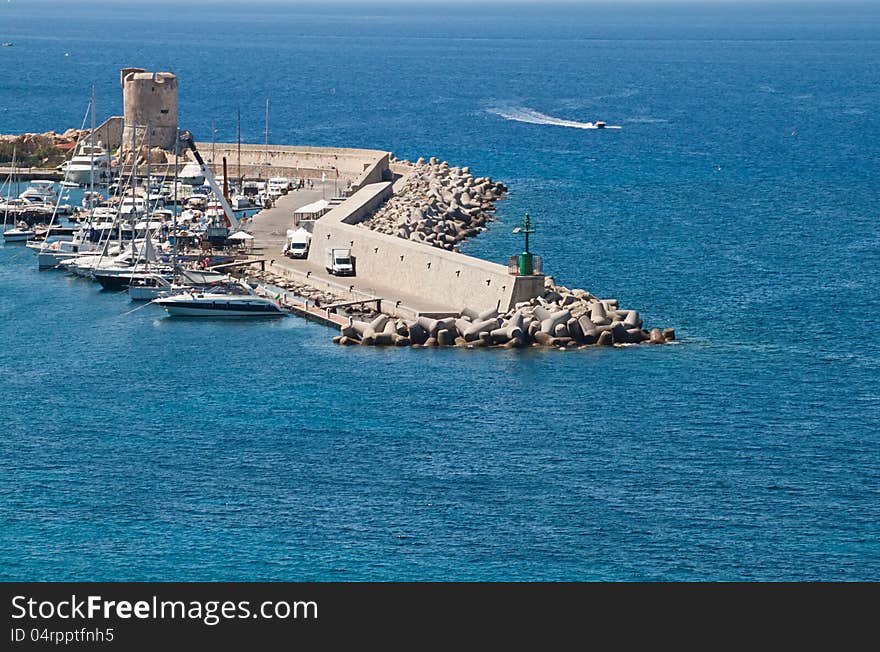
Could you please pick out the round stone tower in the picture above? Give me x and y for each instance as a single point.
(149, 98)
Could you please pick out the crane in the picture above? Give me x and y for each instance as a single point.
(186, 139)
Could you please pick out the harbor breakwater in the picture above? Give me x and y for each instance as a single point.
(559, 318)
(437, 277)
(405, 236)
(437, 204)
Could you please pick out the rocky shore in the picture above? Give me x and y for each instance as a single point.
(438, 205)
(38, 150)
(49, 149)
(560, 318)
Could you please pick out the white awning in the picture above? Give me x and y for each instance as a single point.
(240, 235)
(311, 209)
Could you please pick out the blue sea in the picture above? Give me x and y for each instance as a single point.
(739, 204)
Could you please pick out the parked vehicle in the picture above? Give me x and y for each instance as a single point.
(297, 243)
(338, 262)
(278, 185)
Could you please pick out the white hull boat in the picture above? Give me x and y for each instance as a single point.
(234, 300)
(90, 163)
(222, 308)
(41, 192)
(17, 235)
(142, 291)
(52, 255)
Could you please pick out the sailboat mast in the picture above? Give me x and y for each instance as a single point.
(149, 156)
(176, 205)
(91, 203)
(240, 175)
(92, 151)
(147, 235)
(133, 183)
(11, 177)
(267, 134)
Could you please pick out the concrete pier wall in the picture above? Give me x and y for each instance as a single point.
(449, 279)
(360, 166)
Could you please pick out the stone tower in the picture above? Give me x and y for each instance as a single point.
(149, 98)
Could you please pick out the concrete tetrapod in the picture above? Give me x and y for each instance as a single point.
(560, 318)
(474, 330)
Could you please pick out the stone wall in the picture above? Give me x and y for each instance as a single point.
(360, 166)
(109, 133)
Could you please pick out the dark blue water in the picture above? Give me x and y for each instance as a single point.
(739, 203)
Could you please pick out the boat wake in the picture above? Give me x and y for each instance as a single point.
(530, 116)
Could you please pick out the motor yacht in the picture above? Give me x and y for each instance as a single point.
(88, 163)
(20, 233)
(233, 299)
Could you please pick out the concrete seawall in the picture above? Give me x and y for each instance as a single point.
(451, 280)
(361, 166)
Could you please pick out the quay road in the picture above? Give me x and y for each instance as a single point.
(269, 228)
(29, 174)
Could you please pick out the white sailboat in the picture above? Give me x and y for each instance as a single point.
(21, 232)
(51, 254)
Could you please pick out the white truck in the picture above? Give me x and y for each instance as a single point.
(297, 243)
(338, 261)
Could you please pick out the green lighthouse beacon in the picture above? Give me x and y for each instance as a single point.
(526, 258)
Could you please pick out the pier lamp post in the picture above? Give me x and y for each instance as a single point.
(526, 259)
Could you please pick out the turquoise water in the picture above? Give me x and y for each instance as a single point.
(738, 203)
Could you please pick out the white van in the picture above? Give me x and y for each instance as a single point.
(278, 186)
(297, 243)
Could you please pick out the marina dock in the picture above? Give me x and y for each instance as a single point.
(269, 228)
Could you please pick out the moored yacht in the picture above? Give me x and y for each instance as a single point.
(234, 299)
(21, 233)
(51, 254)
(40, 191)
(89, 162)
(117, 279)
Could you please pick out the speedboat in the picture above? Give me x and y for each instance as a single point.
(40, 191)
(235, 299)
(21, 233)
(149, 286)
